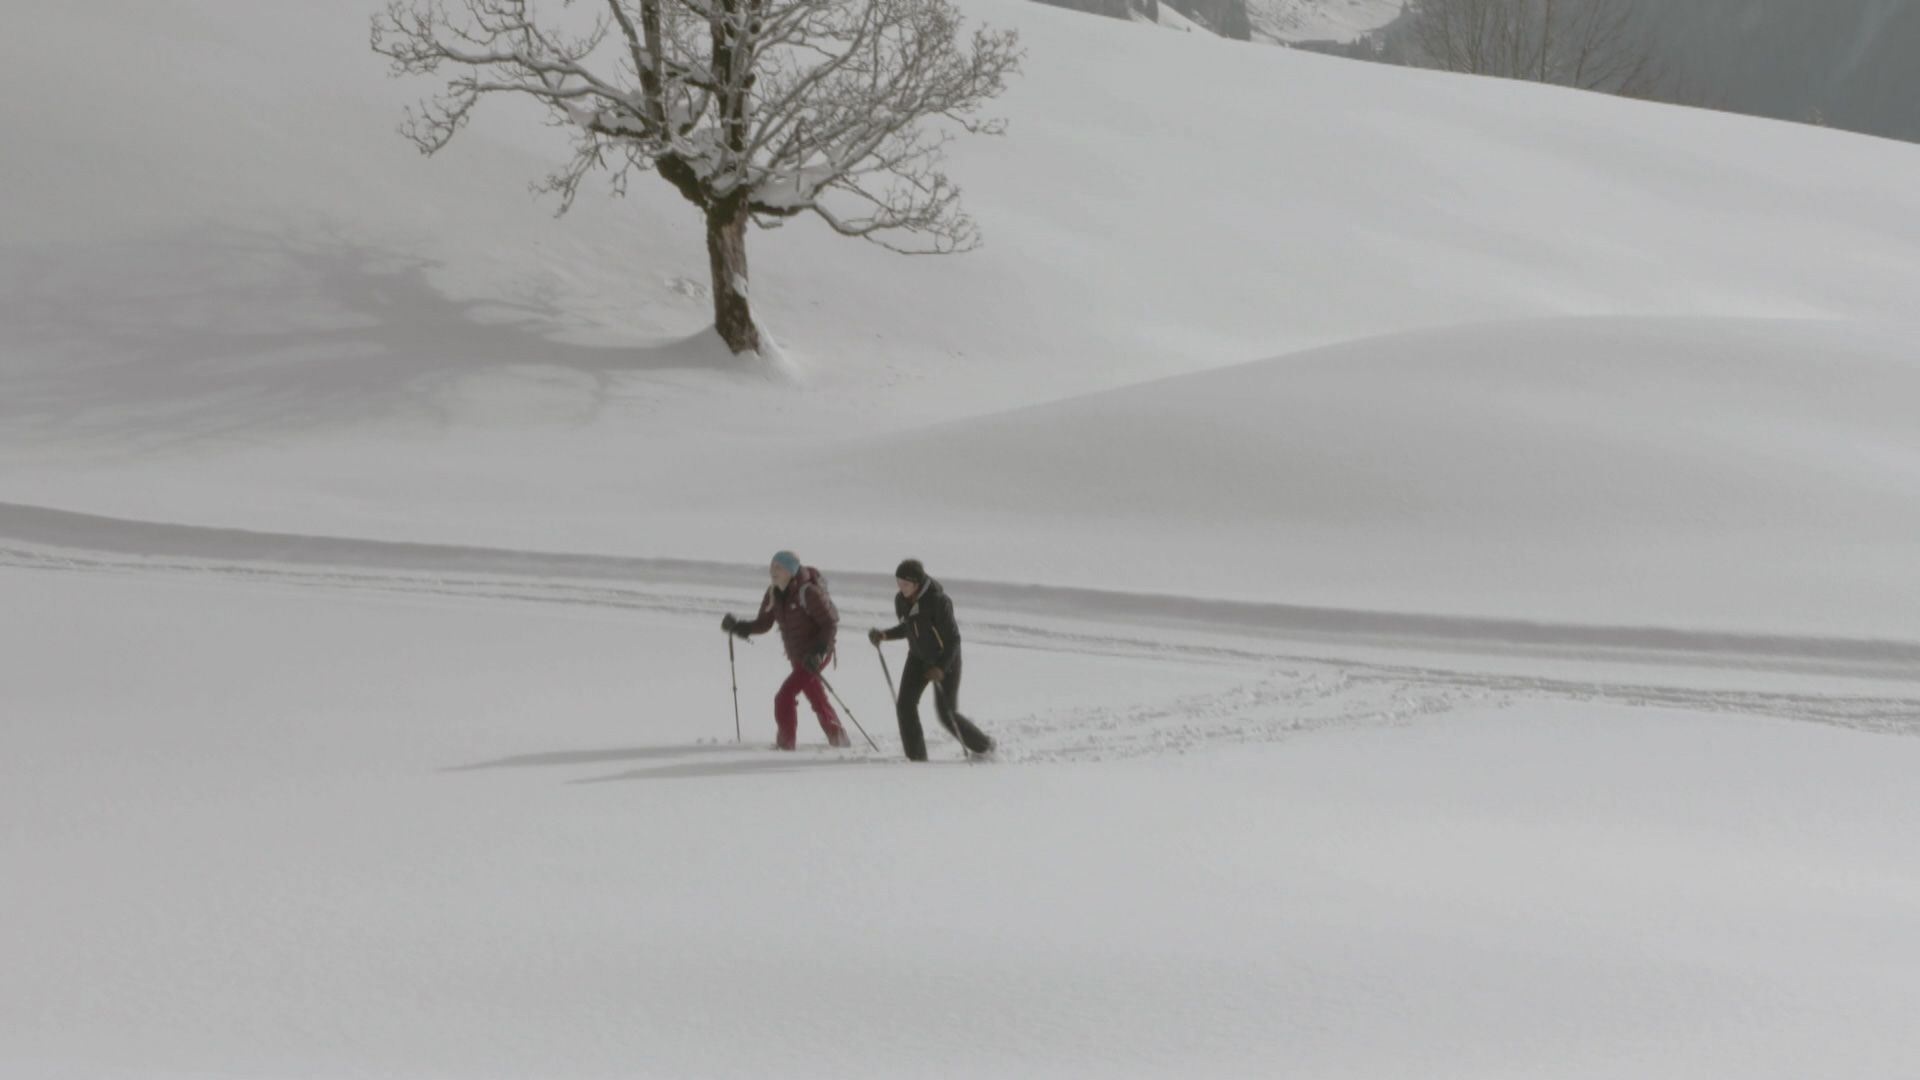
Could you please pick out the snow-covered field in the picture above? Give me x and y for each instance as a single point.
(1437, 555)
(280, 819)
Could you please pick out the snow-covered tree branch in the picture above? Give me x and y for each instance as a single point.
(754, 110)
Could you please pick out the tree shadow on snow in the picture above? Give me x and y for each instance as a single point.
(230, 334)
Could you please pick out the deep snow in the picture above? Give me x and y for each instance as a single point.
(262, 828)
(1436, 554)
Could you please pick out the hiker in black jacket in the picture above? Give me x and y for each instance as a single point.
(933, 656)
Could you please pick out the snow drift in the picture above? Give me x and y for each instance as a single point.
(1708, 473)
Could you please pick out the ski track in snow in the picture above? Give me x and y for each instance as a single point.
(1271, 688)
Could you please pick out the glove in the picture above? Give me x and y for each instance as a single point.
(876, 636)
(935, 674)
(812, 663)
(727, 622)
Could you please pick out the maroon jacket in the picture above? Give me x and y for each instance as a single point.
(806, 616)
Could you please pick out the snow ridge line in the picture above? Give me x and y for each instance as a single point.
(41, 536)
(1273, 692)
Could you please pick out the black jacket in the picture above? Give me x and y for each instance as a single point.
(927, 622)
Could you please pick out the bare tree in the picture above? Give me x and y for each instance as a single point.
(1604, 45)
(754, 110)
(1470, 36)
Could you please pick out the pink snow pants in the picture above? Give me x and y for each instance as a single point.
(785, 716)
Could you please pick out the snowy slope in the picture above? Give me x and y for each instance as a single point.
(1755, 474)
(299, 325)
(1319, 20)
(1166, 16)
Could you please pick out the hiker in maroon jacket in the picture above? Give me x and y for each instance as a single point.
(798, 601)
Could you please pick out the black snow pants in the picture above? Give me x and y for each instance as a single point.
(946, 702)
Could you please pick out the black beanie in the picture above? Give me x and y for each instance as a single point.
(911, 570)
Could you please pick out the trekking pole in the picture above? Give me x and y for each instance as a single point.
(849, 712)
(953, 714)
(735, 671)
(891, 692)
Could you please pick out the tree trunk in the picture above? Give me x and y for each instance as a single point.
(727, 253)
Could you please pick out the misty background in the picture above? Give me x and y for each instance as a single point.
(1851, 64)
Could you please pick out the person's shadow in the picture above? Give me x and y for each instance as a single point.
(715, 759)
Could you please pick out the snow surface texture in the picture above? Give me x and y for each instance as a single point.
(408, 814)
(1436, 554)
